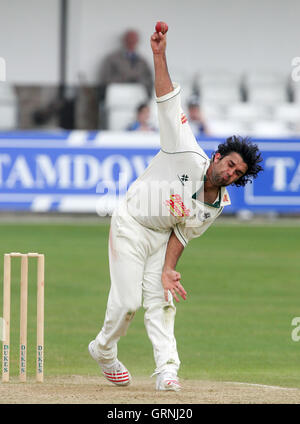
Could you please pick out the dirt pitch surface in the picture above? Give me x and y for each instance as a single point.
(78, 389)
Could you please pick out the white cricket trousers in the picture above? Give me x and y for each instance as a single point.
(136, 259)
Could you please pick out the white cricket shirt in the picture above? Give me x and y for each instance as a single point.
(169, 194)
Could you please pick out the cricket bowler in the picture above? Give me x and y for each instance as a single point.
(176, 199)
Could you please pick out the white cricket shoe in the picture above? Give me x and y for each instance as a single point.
(167, 381)
(115, 372)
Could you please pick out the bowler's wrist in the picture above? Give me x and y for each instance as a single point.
(160, 56)
(167, 269)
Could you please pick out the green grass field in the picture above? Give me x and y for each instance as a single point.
(243, 292)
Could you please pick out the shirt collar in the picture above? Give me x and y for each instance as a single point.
(225, 199)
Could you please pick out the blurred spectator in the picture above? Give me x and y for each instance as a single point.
(195, 117)
(127, 65)
(124, 65)
(142, 122)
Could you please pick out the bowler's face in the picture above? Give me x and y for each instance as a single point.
(227, 170)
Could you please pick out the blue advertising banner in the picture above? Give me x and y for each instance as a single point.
(86, 171)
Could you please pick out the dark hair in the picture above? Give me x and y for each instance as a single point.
(249, 153)
(141, 106)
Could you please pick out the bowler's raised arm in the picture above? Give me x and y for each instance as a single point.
(163, 83)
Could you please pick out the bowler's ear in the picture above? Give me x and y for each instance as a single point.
(217, 157)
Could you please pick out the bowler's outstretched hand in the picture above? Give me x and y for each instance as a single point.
(171, 281)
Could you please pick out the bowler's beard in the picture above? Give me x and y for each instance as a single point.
(216, 179)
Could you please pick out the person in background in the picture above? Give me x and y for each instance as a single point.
(195, 117)
(142, 122)
(124, 65)
(127, 65)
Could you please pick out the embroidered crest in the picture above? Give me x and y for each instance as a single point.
(183, 118)
(176, 206)
(203, 216)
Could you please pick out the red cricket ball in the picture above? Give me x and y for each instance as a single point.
(161, 27)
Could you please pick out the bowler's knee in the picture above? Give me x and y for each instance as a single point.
(131, 306)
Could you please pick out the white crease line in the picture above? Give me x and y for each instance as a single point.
(262, 385)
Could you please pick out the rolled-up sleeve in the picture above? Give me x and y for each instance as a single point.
(185, 234)
(175, 132)
(169, 118)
